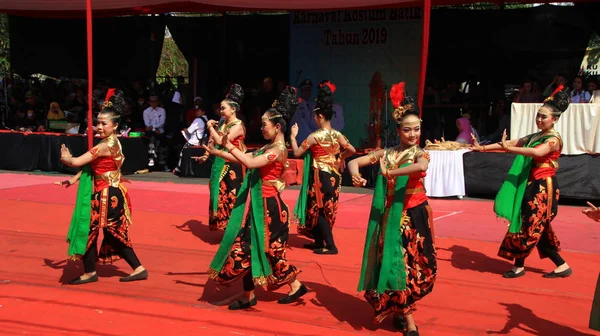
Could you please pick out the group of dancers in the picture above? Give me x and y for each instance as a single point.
(399, 264)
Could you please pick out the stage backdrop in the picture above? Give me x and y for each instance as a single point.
(350, 48)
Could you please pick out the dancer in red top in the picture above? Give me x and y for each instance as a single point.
(399, 261)
(528, 199)
(254, 249)
(226, 176)
(316, 208)
(110, 203)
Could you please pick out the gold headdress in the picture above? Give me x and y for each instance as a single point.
(558, 101)
(107, 102)
(397, 95)
(275, 116)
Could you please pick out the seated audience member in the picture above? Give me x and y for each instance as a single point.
(55, 113)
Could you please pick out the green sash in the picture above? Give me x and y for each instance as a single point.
(80, 221)
(215, 182)
(389, 273)
(261, 269)
(508, 200)
(300, 208)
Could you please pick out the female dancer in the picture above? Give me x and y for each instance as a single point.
(528, 199)
(399, 261)
(102, 203)
(254, 249)
(317, 204)
(226, 175)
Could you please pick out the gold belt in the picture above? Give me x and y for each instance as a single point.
(279, 184)
(544, 165)
(415, 191)
(113, 177)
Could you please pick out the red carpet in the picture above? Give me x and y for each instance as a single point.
(174, 244)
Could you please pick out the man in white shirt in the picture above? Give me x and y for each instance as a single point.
(194, 135)
(154, 119)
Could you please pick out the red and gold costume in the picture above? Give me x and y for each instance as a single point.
(276, 229)
(324, 180)
(230, 179)
(539, 206)
(111, 206)
(416, 229)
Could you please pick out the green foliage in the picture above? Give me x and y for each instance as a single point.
(172, 62)
(4, 45)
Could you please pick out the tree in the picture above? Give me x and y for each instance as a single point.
(4, 45)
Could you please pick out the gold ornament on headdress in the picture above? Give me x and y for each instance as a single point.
(400, 111)
(275, 116)
(106, 104)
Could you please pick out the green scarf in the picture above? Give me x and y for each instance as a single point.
(300, 208)
(215, 178)
(215, 183)
(261, 269)
(80, 221)
(508, 200)
(389, 273)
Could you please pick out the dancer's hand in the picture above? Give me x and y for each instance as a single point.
(210, 149)
(65, 152)
(476, 146)
(358, 181)
(503, 141)
(294, 131)
(211, 123)
(383, 168)
(592, 212)
(65, 183)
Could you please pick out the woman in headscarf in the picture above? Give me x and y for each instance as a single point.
(465, 130)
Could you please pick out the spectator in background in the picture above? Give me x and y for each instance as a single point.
(592, 87)
(55, 113)
(579, 95)
(527, 95)
(154, 119)
(560, 79)
(304, 115)
(192, 113)
(194, 135)
(451, 95)
(503, 122)
(337, 121)
(31, 103)
(465, 129)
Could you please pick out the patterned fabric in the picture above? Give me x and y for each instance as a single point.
(232, 177)
(419, 260)
(538, 209)
(111, 206)
(111, 211)
(323, 193)
(277, 229)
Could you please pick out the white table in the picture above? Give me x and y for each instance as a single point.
(445, 175)
(579, 126)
